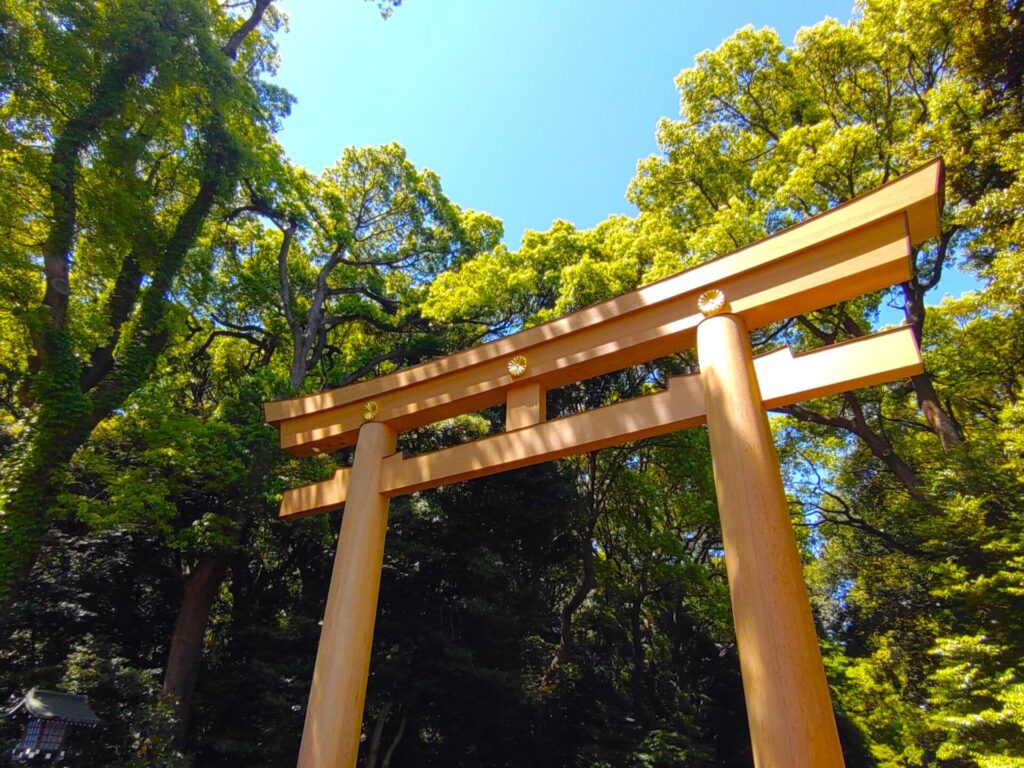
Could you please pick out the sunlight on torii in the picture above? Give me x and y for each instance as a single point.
(861, 246)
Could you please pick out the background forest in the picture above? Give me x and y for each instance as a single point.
(164, 270)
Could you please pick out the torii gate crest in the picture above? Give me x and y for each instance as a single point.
(861, 246)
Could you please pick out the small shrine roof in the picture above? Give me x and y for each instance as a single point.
(54, 705)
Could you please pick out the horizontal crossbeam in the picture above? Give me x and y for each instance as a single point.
(859, 247)
(783, 378)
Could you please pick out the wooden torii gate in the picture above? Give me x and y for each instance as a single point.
(861, 246)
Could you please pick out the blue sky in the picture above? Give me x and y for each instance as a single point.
(531, 110)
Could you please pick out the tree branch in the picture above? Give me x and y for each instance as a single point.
(395, 355)
(819, 332)
(149, 336)
(935, 273)
(388, 305)
(120, 305)
(408, 323)
(238, 36)
(284, 285)
(63, 171)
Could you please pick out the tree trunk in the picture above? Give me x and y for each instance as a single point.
(61, 426)
(378, 732)
(398, 738)
(297, 375)
(638, 677)
(66, 414)
(943, 424)
(187, 641)
(62, 423)
(587, 583)
(24, 522)
(586, 586)
(30, 484)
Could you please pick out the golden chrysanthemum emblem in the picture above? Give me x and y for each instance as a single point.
(370, 410)
(517, 366)
(711, 302)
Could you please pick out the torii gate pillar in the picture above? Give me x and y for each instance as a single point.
(788, 706)
(334, 717)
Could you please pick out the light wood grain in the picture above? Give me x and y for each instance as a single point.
(788, 706)
(785, 379)
(870, 258)
(525, 406)
(334, 715)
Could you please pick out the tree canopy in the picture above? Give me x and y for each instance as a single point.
(165, 269)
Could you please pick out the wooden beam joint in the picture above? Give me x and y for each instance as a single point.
(525, 406)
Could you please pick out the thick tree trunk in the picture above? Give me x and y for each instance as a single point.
(60, 426)
(31, 491)
(187, 641)
(297, 374)
(62, 423)
(66, 414)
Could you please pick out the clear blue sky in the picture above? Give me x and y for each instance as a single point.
(531, 110)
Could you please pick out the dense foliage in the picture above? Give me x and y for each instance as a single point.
(164, 270)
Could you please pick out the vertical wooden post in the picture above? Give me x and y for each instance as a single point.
(788, 705)
(334, 716)
(526, 405)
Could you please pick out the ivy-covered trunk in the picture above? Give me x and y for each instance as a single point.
(71, 400)
(99, 132)
(30, 473)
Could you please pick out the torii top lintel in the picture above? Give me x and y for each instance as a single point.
(860, 246)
